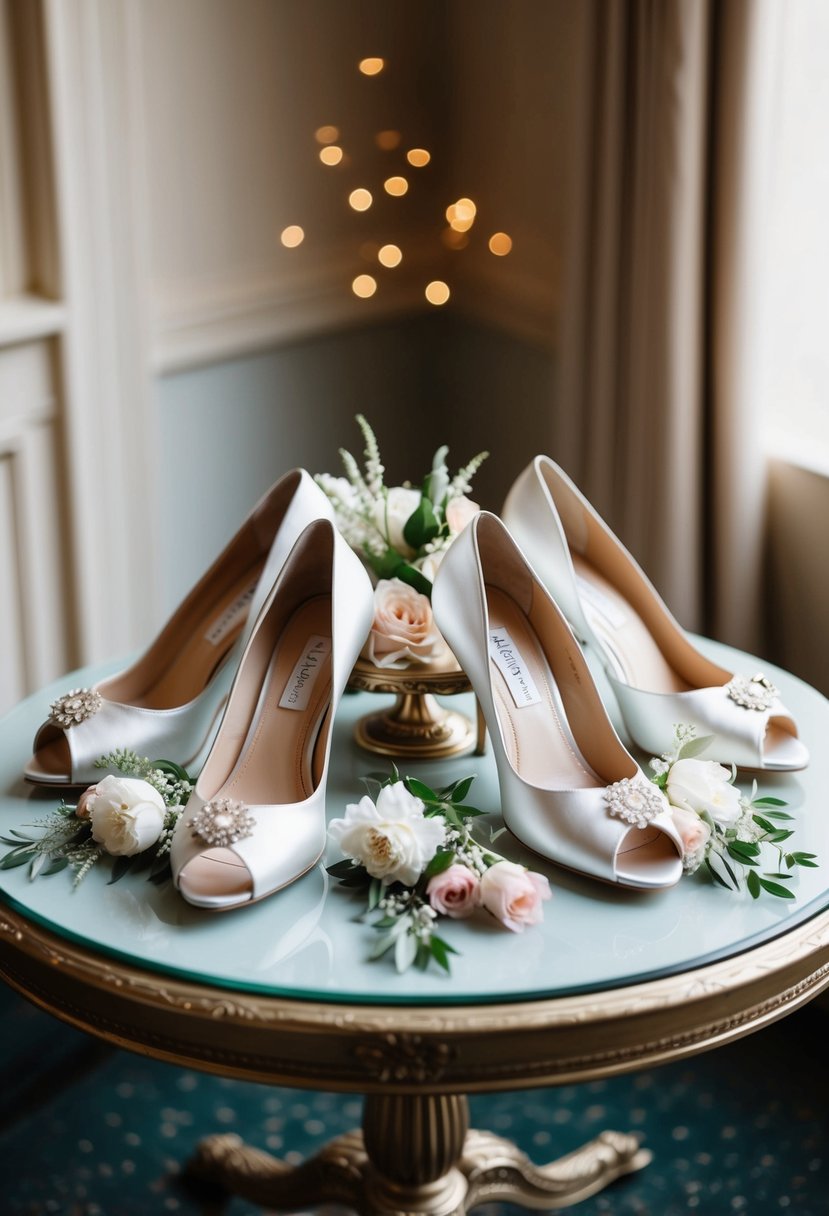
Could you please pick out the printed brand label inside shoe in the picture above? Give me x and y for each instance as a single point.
(222, 626)
(507, 658)
(298, 690)
(607, 608)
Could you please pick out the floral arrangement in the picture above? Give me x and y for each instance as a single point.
(409, 849)
(401, 533)
(130, 818)
(723, 830)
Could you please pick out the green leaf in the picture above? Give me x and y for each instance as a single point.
(694, 746)
(441, 861)
(715, 876)
(805, 859)
(779, 874)
(753, 884)
(774, 888)
(779, 837)
(420, 790)
(408, 574)
(55, 865)
(18, 857)
(121, 867)
(422, 525)
(458, 791)
(771, 802)
(440, 951)
(744, 859)
(748, 847)
(375, 893)
(172, 770)
(380, 947)
(780, 815)
(161, 875)
(340, 868)
(765, 824)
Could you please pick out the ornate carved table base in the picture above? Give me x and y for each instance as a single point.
(416, 1154)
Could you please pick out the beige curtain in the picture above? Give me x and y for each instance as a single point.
(656, 418)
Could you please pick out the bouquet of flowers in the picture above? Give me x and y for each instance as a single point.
(410, 851)
(725, 832)
(401, 533)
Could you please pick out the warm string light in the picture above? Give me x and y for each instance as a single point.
(460, 215)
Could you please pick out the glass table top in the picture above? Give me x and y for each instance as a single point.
(304, 942)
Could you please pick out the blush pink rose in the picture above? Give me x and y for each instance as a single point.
(459, 511)
(693, 831)
(404, 629)
(83, 808)
(514, 895)
(455, 892)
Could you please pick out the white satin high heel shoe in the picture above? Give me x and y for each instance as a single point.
(168, 702)
(658, 677)
(256, 818)
(569, 789)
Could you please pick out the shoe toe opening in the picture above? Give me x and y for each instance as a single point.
(648, 857)
(217, 878)
(51, 763)
(781, 747)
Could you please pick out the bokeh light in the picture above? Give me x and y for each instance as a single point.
(364, 286)
(360, 199)
(396, 186)
(331, 155)
(390, 256)
(418, 157)
(292, 236)
(453, 239)
(387, 141)
(327, 135)
(461, 215)
(437, 292)
(500, 244)
(371, 66)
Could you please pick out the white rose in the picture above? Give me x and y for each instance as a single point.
(391, 514)
(459, 511)
(393, 840)
(403, 629)
(428, 565)
(127, 815)
(702, 785)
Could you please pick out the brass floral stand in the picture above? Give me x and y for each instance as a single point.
(416, 727)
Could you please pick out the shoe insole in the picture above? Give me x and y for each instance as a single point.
(538, 739)
(636, 657)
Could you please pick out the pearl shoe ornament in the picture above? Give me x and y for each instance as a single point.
(569, 789)
(75, 707)
(168, 702)
(222, 822)
(657, 676)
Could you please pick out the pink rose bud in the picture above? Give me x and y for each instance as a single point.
(693, 831)
(514, 895)
(82, 809)
(455, 892)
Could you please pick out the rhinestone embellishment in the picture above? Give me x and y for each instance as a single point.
(74, 707)
(635, 800)
(755, 693)
(222, 822)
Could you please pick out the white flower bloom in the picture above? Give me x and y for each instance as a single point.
(694, 833)
(392, 839)
(703, 786)
(459, 512)
(391, 513)
(403, 630)
(127, 815)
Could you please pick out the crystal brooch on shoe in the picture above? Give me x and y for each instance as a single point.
(635, 800)
(74, 707)
(222, 822)
(755, 693)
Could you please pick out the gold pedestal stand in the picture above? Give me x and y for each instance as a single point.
(416, 1154)
(416, 727)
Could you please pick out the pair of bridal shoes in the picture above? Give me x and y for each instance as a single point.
(169, 701)
(256, 818)
(657, 675)
(569, 788)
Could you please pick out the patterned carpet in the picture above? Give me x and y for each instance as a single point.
(86, 1130)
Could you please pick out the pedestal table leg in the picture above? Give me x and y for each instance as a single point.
(416, 1154)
